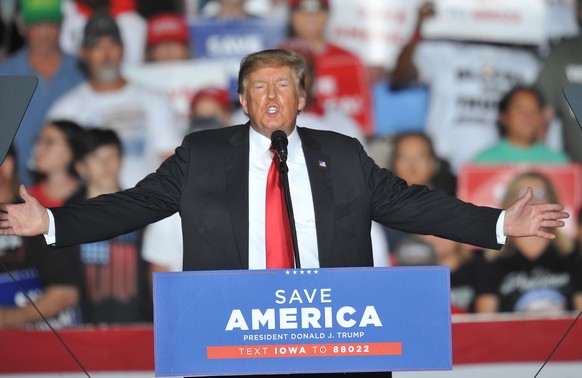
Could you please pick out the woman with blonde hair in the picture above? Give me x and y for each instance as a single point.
(533, 274)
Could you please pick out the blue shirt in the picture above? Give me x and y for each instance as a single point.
(67, 76)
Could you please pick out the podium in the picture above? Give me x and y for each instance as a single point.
(302, 321)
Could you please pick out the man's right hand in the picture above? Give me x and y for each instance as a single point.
(26, 219)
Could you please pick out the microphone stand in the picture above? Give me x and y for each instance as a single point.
(283, 169)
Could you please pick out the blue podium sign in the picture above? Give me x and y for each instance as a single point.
(302, 321)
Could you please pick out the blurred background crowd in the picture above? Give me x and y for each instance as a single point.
(466, 99)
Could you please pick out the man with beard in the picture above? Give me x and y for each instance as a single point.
(131, 24)
(143, 119)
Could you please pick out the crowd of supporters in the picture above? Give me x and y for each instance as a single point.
(445, 106)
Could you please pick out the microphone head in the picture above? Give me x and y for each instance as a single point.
(278, 137)
(279, 143)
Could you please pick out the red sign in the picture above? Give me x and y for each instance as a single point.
(485, 185)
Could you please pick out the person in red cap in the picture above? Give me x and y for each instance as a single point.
(316, 114)
(210, 109)
(167, 38)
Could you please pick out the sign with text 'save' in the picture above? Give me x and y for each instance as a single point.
(302, 321)
(228, 41)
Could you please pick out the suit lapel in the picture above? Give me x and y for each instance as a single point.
(319, 169)
(237, 179)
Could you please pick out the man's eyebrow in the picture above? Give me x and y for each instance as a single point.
(262, 81)
(258, 81)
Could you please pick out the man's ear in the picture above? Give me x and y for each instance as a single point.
(243, 103)
(302, 101)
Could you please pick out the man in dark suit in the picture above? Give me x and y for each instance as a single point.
(216, 180)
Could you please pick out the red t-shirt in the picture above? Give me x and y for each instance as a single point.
(343, 83)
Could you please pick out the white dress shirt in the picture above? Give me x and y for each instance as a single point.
(259, 162)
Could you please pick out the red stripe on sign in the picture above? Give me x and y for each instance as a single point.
(304, 350)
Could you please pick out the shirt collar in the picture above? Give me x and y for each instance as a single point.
(259, 144)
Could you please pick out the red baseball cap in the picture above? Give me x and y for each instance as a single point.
(167, 27)
(217, 94)
(309, 5)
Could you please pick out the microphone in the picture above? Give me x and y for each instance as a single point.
(279, 143)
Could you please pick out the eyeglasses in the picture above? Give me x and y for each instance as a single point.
(48, 142)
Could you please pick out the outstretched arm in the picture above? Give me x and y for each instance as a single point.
(523, 218)
(25, 219)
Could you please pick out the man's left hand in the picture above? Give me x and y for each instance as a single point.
(525, 219)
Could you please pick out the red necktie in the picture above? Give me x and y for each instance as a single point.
(279, 245)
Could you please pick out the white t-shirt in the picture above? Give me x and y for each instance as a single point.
(143, 119)
(131, 25)
(466, 81)
(162, 243)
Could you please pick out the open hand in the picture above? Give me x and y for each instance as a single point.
(26, 219)
(525, 219)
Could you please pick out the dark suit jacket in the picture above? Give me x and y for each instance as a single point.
(206, 180)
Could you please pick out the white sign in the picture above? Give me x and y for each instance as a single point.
(502, 21)
(376, 31)
(180, 81)
(373, 30)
